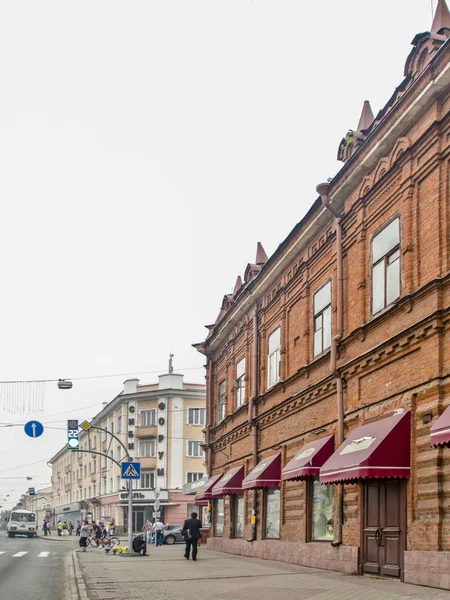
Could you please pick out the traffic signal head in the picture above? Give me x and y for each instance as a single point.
(72, 434)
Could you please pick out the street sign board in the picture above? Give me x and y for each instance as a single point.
(157, 515)
(131, 470)
(157, 492)
(32, 491)
(157, 504)
(85, 425)
(33, 429)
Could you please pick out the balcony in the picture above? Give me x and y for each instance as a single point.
(146, 431)
(147, 462)
(93, 477)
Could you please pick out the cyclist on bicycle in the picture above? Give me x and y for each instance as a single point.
(97, 533)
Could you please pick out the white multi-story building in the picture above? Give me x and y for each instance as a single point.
(161, 426)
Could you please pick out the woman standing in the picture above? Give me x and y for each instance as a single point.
(84, 532)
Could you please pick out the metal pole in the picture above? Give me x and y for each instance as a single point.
(130, 517)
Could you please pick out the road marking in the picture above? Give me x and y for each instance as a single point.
(43, 554)
(19, 554)
(2, 552)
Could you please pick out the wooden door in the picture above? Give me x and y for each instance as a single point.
(383, 529)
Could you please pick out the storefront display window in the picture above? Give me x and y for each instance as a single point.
(218, 517)
(322, 510)
(239, 516)
(272, 513)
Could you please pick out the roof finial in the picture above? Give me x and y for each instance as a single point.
(366, 119)
(237, 285)
(441, 17)
(261, 256)
(170, 363)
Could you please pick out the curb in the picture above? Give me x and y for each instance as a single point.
(79, 581)
(49, 538)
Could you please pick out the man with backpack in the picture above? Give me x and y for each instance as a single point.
(191, 533)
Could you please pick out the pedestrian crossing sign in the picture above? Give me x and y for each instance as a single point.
(131, 470)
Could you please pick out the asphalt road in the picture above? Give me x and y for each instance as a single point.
(35, 569)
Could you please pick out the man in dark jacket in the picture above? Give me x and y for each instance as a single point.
(191, 533)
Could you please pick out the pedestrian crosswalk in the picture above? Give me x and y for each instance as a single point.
(25, 553)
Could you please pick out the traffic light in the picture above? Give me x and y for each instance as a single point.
(72, 434)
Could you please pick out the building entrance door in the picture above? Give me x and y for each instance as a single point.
(383, 527)
(138, 520)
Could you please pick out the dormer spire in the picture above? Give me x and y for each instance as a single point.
(366, 119)
(441, 18)
(261, 256)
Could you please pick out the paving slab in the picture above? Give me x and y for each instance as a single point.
(165, 574)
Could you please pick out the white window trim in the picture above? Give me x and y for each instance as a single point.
(200, 442)
(277, 354)
(201, 473)
(195, 408)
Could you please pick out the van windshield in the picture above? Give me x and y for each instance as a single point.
(17, 516)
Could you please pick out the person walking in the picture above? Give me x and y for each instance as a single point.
(70, 528)
(65, 530)
(157, 531)
(59, 527)
(148, 528)
(191, 533)
(77, 532)
(44, 527)
(84, 532)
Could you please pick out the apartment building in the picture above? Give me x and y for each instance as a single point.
(161, 426)
(328, 372)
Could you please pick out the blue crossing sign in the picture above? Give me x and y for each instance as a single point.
(131, 470)
(32, 491)
(34, 429)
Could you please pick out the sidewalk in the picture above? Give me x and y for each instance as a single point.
(166, 575)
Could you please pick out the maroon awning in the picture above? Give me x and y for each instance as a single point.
(205, 494)
(267, 473)
(440, 430)
(200, 502)
(231, 483)
(378, 449)
(307, 462)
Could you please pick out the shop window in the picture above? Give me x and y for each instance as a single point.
(218, 517)
(272, 521)
(240, 383)
(273, 357)
(321, 510)
(238, 516)
(386, 266)
(322, 319)
(221, 402)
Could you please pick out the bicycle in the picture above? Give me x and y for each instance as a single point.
(105, 542)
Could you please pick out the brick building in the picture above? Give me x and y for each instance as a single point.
(329, 365)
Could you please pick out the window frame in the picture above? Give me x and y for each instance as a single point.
(277, 354)
(216, 504)
(153, 420)
(199, 442)
(383, 259)
(266, 496)
(198, 474)
(240, 384)
(236, 497)
(221, 400)
(147, 441)
(310, 510)
(151, 477)
(200, 410)
(320, 313)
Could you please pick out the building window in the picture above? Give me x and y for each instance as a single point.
(147, 479)
(221, 402)
(119, 482)
(111, 489)
(147, 448)
(119, 424)
(148, 418)
(111, 427)
(386, 266)
(321, 510)
(196, 416)
(322, 319)
(85, 473)
(272, 513)
(238, 516)
(273, 358)
(218, 517)
(89, 492)
(240, 383)
(191, 477)
(194, 449)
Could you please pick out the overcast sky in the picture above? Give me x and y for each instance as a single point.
(145, 148)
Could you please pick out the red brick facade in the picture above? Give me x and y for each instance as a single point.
(399, 357)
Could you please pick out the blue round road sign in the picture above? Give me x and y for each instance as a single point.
(34, 429)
